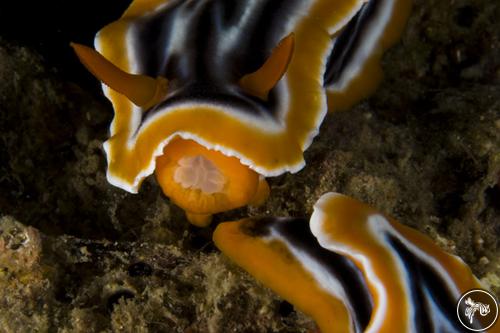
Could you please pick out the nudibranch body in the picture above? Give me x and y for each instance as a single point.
(352, 269)
(239, 87)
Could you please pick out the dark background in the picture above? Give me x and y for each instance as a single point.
(49, 26)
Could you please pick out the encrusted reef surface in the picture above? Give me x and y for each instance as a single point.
(78, 255)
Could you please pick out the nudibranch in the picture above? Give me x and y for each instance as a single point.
(352, 269)
(215, 95)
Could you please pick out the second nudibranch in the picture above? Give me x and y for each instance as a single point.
(213, 96)
(352, 269)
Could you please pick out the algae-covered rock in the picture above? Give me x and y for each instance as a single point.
(79, 255)
(66, 284)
